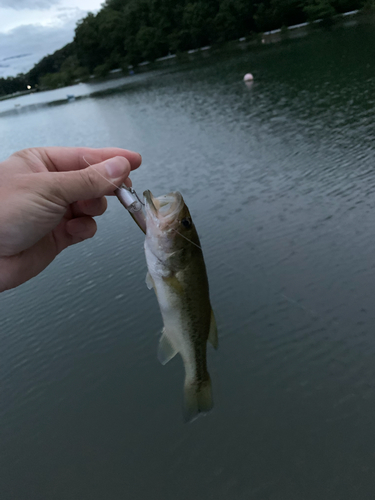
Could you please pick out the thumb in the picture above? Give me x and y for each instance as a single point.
(94, 181)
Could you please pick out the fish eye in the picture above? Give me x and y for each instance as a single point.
(186, 223)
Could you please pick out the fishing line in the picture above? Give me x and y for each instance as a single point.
(192, 242)
(97, 171)
(294, 302)
(113, 184)
(288, 299)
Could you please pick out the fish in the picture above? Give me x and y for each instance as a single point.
(177, 273)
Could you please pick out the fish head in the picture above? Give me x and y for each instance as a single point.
(169, 221)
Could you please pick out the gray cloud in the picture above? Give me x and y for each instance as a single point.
(28, 4)
(25, 45)
(16, 57)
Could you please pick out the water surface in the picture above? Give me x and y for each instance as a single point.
(280, 181)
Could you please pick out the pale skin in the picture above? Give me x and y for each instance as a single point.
(48, 198)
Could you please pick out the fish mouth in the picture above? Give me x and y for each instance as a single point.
(149, 201)
(165, 207)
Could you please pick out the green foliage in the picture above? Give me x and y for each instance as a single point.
(319, 9)
(150, 42)
(101, 70)
(369, 5)
(53, 80)
(234, 19)
(69, 73)
(50, 64)
(127, 32)
(197, 22)
(87, 41)
(12, 84)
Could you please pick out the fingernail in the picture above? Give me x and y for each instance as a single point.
(117, 166)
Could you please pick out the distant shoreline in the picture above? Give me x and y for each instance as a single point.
(275, 36)
(303, 29)
(17, 94)
(267, 37)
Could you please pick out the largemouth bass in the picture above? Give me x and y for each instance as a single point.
(177, 273)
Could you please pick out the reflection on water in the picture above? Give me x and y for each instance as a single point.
(280, 181)
(37, 100)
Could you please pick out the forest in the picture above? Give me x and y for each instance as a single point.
(127, 32)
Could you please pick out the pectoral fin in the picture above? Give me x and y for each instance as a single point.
(166, 351)
(149, 281)
(212, 336)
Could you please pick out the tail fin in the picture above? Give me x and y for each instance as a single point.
(197, 399)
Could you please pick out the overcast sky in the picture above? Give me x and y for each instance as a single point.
(31, 29)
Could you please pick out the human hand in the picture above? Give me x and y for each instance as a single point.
(48, 198)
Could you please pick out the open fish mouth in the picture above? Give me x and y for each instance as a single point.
(166, 206)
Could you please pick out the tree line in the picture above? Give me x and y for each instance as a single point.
(127, 32)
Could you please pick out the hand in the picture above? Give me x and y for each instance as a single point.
(48, 198)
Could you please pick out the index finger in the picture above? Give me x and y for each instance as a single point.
(63, 159)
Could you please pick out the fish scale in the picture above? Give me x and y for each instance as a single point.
(177, 273)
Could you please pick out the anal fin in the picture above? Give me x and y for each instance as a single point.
(166, 351)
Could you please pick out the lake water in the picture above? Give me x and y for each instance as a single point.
(280, 180)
